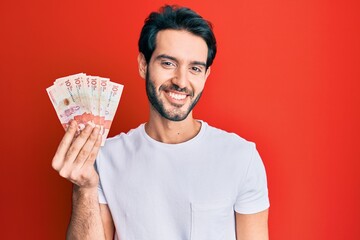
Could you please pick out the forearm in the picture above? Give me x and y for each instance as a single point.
(252, 226)
(85, 220)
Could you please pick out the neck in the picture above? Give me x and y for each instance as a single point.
(172, 132)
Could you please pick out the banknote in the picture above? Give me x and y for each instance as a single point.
(87, 100)
(111, 104)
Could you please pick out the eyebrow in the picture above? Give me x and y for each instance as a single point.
(174, 59)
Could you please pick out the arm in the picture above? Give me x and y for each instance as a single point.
(107, 221)
(74, 160)
(252, 226)
(86, 219)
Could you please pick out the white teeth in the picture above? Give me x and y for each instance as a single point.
(177, 96)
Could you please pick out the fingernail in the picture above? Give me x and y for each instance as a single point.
(72, 123)
(96, 129)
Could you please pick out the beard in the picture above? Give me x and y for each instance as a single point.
(175, 113)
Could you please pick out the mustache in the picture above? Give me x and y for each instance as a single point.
(175, 87)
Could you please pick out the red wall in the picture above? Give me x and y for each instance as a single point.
(287, 76)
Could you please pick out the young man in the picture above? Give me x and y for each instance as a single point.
(174, 177)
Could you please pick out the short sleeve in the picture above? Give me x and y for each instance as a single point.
(102, 198)
(253, 192)
(101, 195)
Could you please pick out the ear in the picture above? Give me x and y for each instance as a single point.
(142, 65)
(207, 73)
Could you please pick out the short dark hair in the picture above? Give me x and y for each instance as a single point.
(176, 18)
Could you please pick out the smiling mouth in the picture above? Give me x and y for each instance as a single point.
(177, 96)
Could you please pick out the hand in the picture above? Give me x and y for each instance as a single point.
(75, 156)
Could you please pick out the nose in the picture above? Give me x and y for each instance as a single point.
(180, 79)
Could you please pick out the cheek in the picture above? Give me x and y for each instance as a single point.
(158, 76)
(198, 85)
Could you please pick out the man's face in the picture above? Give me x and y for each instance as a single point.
(176, 73)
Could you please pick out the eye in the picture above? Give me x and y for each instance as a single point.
(167, 64)
(196, 70)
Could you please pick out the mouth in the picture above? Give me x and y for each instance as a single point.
(177, 96)
(176, 99)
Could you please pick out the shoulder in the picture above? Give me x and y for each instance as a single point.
(122, 141)
(227, 139)
(131, 134)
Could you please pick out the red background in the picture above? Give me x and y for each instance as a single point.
(286, 76)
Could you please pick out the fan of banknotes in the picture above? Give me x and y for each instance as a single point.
(86, 99)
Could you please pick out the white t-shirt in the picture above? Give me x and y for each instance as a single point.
(186, 191)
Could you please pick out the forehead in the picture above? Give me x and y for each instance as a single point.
(181, 44)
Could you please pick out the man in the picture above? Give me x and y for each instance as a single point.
(173, 177)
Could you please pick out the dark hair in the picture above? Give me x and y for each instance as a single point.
(177, 18)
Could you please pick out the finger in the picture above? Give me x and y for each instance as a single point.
(79, 144)
(78, 153)
(94, 152)
(88, 147)
(84, 173)
(64, 146)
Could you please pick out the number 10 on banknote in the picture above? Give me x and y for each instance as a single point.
(87, 100)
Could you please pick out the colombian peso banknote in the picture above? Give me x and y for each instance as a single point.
(86, 99)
